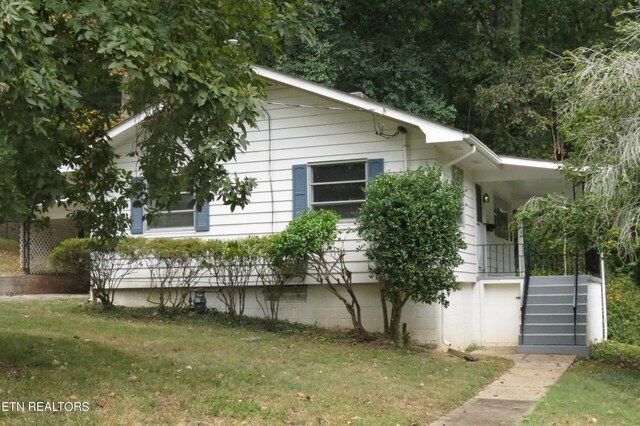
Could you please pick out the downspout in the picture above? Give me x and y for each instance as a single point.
(404, 151)
(603, 288)
(442, 339)
(462, 157)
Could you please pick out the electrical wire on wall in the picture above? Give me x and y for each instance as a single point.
(270, 168)
(378, 127)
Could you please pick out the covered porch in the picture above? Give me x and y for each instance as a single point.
(543, 302)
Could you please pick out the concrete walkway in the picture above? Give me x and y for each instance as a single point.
(513, 395)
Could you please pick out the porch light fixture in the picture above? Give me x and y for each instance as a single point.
(485, 198)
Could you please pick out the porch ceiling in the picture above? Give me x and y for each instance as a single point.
(516, 179)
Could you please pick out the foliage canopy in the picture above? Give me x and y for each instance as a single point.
(602, 118)
(61, 75)
(484, 66)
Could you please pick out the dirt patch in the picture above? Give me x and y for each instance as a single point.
(9, 257)
(7, 369)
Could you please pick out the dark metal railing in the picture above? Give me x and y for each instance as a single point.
(525, 290)
(516, 259)
(508, 259)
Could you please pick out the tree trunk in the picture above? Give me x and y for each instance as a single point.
(395, 334)
(385, 313)
(516, 13)
(394, 325)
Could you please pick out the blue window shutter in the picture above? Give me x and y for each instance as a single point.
(376, 167)
(137, 214)
(299, 189)
(202, 218)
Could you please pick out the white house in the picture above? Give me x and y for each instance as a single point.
(311, 135)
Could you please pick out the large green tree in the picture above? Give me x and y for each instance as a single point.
(481, 65)
(64, 65)
(602, 117)
(410, 225)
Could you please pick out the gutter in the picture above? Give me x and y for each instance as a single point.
(483, 149)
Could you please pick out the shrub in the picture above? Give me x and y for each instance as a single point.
(273, 273)
(231, 264)
(623, 310)
(101, 265)
(617, 353)
(410, 225)
(110, 266)
(72, 257)
(175, 266)
(311, 240)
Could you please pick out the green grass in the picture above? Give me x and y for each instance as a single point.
(134, 368)
(591, 392)
(9, 257)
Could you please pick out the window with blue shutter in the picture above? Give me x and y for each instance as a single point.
(337, 186)
(180, 214)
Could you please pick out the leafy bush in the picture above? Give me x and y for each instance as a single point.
(623, 310)
(311, 239)
(72, 257)
(231, 264)
(273, 273)
(175, 266)
(410, 225)
(101, 265)
(617, 353)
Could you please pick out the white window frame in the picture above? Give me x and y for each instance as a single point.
(313, 205)
(155, 228)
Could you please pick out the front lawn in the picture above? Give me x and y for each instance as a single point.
(144, 370)
(591, 392)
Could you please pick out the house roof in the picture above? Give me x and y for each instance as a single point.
(435, 133)
(449, 139)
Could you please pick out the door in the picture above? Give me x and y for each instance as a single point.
(501, 312)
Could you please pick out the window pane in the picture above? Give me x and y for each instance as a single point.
(344, 210)
(339, 172)
(339, 192)
(171, 220)
(182, 203)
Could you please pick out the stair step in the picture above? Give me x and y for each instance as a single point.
(542, 329)
(553, 280)
(564, 318)
(555, 308)
(578, 350)
(543, 299)
(556, 289)
(552, 339)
